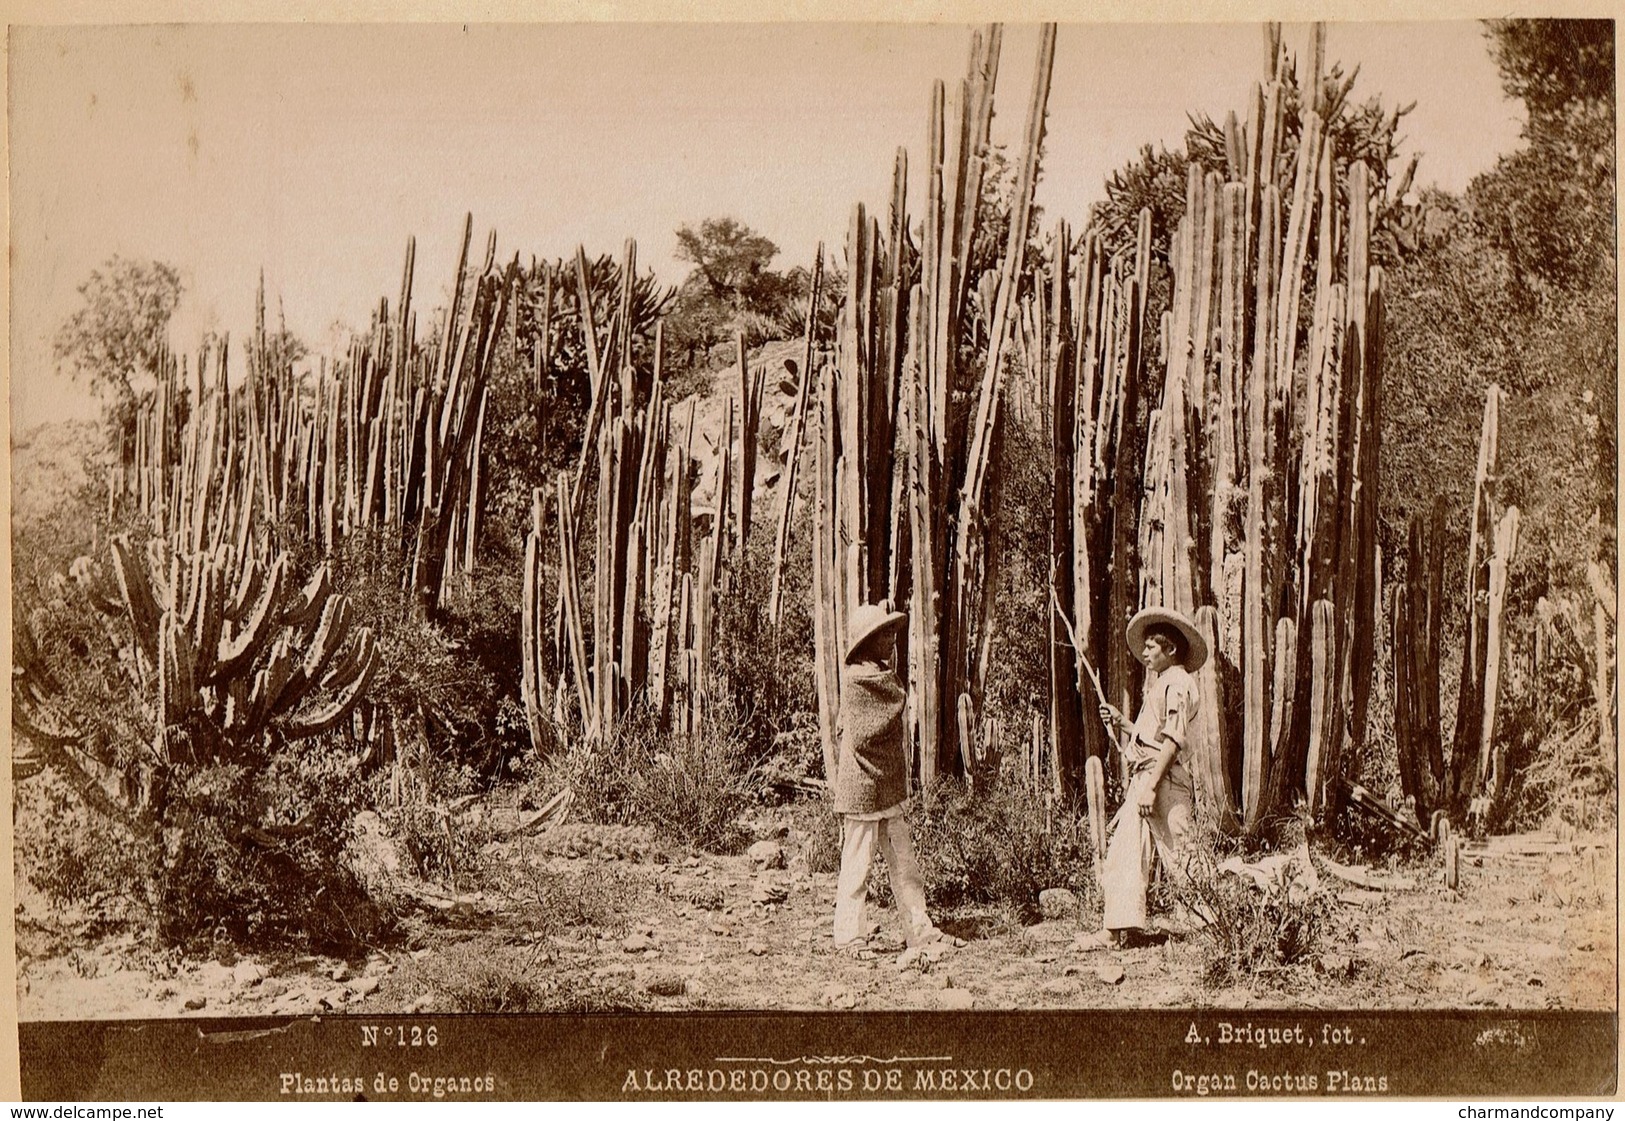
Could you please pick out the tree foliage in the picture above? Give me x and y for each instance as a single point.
(116, 336)
(1553, 64)
(1550, 206)
(730, 257)
(1513, 284)
(732, 290)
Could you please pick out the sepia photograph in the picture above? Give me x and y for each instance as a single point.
(814, 560)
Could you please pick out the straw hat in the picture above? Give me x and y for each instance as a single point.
(1195, 644)
(869, 620)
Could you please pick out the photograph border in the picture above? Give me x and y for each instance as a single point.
(1497, 1053)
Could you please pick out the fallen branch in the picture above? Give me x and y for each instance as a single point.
(1382, 812)
(553, 813)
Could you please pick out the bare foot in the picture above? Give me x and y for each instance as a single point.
(1101, 940)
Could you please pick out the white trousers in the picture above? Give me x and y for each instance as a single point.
(858, 842)
(1126, 873)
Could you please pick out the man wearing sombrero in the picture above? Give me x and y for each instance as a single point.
(1159, 806)
(871, 784)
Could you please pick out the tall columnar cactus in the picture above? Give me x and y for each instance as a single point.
(907, 438)
(1477, 775)
(798, 424)
(392, 436)
(644, 633)
(1231, 471)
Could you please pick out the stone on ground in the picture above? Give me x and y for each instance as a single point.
(767, 854)
(665, 984)
(1060, 987)
(768, 891)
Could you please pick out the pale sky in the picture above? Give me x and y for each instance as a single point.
(315, 151)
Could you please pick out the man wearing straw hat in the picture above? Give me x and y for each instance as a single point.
(871, 784)
(1159, 806)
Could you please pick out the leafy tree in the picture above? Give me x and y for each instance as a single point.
(731, 288)
(1550, 206)
(116, 338)
(1514, 284)
(730, 256)
(1553, 64)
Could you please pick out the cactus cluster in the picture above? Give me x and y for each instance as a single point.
(1235, 478)
(647, 632)
(387, 439)
(1478, 774)
(230, 648)
(1222, 461)
(907, 434)
(224, 656)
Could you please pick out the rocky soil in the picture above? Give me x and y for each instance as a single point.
(593, 918)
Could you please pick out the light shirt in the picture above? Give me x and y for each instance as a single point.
(1166, 711)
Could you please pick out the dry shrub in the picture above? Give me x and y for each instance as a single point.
(993, 847)
(1253, 932)
(588, 894)
(692, 786)
(484, 986)
(440, 846)
(1558, 770)
(697, 789)
(216, 880)
(473, 978)
(69, 852)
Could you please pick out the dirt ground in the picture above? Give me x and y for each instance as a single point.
(592, 918)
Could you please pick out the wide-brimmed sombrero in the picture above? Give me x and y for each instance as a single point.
(1195, 644)
(868, 621)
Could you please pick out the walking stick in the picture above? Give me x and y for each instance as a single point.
(1072, 638)
(1094, 787)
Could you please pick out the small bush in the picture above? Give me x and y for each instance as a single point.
(70, 853)
(570, 992)
(993, 848)
(695, 787)
(439, 846)
(475, 978)
(1254, 932)
(490, 988)
(216, 878)
(794, 760)
(763, 675)
(591, 894)
(824, 843)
